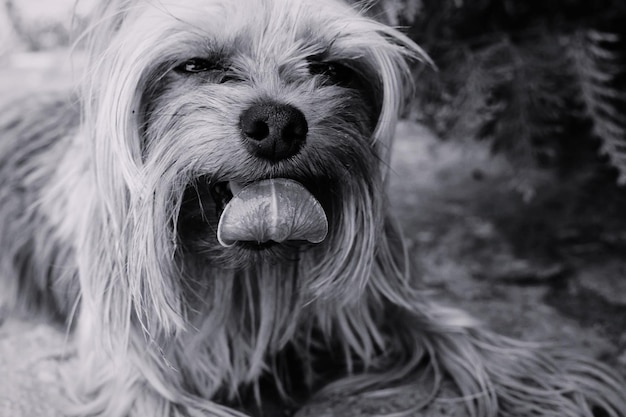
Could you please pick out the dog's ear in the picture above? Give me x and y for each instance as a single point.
(389, 56)
(386, 54)
(126, 54)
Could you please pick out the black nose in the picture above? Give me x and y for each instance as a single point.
(273, 131)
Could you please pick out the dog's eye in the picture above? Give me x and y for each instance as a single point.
(220, 71)
(335, 72)
(195, 65)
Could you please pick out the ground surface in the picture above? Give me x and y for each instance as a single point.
(549, 268)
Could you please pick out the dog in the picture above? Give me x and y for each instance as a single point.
(207, 215)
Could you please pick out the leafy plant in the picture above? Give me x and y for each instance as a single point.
(597, 66)
(543, 82)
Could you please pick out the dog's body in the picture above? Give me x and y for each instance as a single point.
(112, 220)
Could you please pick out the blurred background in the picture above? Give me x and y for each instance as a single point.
(39, 25)
(510, 164)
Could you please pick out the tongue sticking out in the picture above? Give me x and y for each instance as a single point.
(272, 210)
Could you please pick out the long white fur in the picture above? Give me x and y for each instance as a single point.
(144, 335)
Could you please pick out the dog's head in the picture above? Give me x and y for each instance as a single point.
(293, 101)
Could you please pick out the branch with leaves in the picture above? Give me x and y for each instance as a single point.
(542, 81)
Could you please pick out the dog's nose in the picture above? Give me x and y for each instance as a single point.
(273, 131)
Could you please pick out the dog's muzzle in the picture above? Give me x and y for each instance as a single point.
(271, 210)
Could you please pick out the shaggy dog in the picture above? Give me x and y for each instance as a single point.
(208, 216)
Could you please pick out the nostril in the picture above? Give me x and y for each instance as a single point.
(297, 128)
(255, 129)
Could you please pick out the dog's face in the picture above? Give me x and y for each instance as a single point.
(205, 97)
(257, 96)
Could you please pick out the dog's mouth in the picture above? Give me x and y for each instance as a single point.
(222, 192)
(256, 215)
(269, 211)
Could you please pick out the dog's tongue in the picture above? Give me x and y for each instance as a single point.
(276, 210)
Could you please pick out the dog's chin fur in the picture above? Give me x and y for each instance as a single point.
(108, 223)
